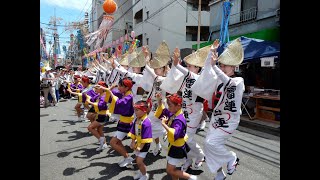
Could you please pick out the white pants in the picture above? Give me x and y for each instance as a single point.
(195, 114)
(195, 118)
(52, 91)
(215, 151)
(195, 150)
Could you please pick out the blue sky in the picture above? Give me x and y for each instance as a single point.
(67, 10)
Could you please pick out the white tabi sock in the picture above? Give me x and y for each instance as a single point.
(101, 139)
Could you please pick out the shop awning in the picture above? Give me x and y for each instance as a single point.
(254, 49)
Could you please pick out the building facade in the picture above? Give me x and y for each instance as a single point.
(175, 22)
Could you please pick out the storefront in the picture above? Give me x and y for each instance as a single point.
(261, 73)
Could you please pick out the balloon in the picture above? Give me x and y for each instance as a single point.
(109, 6)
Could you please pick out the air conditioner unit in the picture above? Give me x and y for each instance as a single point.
(267, 61)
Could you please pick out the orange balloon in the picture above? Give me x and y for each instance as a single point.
(109, 6)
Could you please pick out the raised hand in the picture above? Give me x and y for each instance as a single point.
(164, 120)
(176, 56)
(111, 60)
(130, 49)
(145, 51)
(158, 96)
(214, 58)
(215, 45)
(118, 52)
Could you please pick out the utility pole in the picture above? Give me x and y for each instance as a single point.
(53, 21)
(55, 39)
(199, 23)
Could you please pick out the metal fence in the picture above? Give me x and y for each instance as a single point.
(241, 17)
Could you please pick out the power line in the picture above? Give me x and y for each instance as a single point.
(166, 29)
(77, 19)
(161, 9)
(57, 24)
(188, 13)
(59, 37)
(151, 16)
(126, 12)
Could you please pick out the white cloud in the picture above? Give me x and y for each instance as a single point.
(69, 4)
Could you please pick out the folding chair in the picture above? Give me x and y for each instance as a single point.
(244, 106)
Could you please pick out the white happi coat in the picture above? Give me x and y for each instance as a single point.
(137, 78)
(192, 109)
(179, 78)
(114, 77)
(224, 95)
(152, 85)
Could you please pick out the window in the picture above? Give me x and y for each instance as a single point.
(147, 14)
(147, 41)
(192, 33)
(193, 5)
(138, 17)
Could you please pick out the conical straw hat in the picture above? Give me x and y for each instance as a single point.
(124, 60)
(161, 56)
(137, 59)
(233, 54)
(199, 57)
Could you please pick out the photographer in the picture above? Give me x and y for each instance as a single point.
(47, 86)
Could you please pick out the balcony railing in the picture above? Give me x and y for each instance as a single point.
(241, 17)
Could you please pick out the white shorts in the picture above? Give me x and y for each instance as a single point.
(176, 162)
(141, 154)
(102, 123)
(120, 135)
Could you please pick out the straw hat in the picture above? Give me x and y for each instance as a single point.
(137, 59)
(124, 60)
(161, 56)
(199, 57)
(233, 54)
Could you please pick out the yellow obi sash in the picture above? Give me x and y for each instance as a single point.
(126, 119)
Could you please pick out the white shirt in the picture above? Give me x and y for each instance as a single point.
(47, 75)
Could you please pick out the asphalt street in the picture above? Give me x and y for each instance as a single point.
(68, 151)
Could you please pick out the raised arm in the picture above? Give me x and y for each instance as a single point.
(150, 71)
(102, 68)
(213, 55)
(221, 75)
(176, 60)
